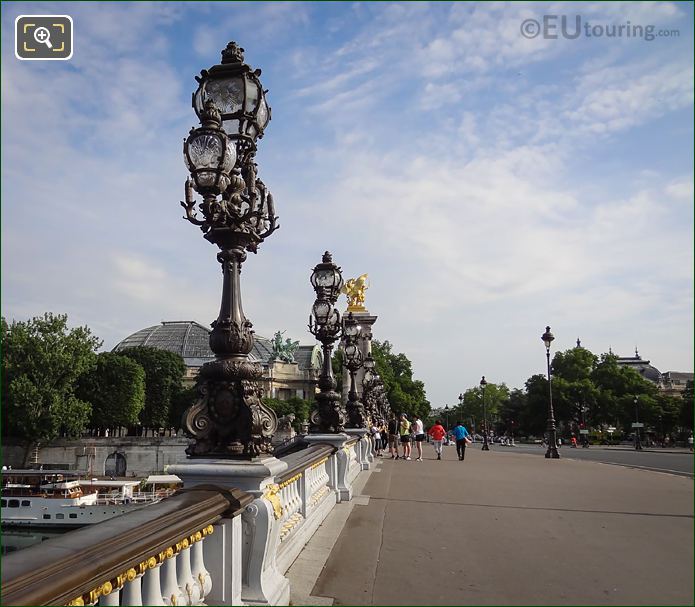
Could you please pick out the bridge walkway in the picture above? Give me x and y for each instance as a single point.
(503, 527)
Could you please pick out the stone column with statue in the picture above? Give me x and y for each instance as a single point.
(355, 289)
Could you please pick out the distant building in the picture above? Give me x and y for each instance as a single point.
(281, 380)
(643, 367)
(671, 383)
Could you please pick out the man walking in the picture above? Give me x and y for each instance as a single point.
(461, 436)
(437, 432)
(393, 436)
(419, 434)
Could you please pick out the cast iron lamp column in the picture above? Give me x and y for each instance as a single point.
(229, 418)
(486, 447)
(353, 361)
(638, 443)
(446, 410)
(324, 324)
(548, 338)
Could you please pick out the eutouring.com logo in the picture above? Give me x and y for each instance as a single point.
(552, 27)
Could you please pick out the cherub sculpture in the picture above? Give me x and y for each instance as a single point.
(354, 288)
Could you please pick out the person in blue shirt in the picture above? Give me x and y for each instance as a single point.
(461, 435)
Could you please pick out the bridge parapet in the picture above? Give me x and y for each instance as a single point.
(207, 544)
(158, 555)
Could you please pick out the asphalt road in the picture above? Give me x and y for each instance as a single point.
(658, 461)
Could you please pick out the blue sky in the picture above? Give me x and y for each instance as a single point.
(489, 183)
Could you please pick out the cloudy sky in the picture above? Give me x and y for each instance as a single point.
(490, 183)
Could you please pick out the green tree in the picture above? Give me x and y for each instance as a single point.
(574, 365)
(495, 395)
(337, 366)
(115, 388)
(300, 408)
(686, 408)
(406, 395)
(163, 382)
(534, 417)
(41, 361)
(180, 401)
(511, 411)
(616, 386)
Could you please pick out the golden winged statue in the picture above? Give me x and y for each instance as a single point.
(354, 288)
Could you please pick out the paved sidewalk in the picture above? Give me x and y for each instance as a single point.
(505, 529)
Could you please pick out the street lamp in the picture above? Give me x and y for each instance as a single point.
(638, 444)
(486, 447)
(324, 324)
(585, 438)
(548, 338)
(446, 412)
(229, 419)
(353, 361)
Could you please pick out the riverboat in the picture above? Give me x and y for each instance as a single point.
(60, 499)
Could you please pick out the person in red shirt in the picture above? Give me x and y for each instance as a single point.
(437, 432)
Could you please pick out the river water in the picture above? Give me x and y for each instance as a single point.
(13, 539)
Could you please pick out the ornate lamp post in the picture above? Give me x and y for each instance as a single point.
(446, 411)
(229, 419)
(638, 443)
(548, 338)
(324, 324)
(353, 361)
(370, 386)
(486, 446)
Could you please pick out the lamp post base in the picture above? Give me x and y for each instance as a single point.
(552, 453)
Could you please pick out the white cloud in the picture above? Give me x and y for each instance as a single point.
(431, 146)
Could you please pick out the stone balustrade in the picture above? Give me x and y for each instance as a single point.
(207, 544)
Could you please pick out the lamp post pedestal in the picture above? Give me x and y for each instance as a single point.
(260, 521)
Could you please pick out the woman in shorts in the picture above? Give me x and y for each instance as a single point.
(404, 430)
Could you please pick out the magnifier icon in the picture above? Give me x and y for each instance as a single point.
(43, 36)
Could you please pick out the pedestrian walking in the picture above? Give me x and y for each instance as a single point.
(384, 435)
(404, 430)
(461, 435)
(690, 441)
(419, 433)
(393, 433)
(437, 432)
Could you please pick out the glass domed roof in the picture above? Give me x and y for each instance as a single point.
(190, 339)
(187, 338)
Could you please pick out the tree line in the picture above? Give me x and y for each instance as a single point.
(55, 384)
(589, 392)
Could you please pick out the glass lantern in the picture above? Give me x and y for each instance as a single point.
(237, 91)
(208, 155)
(327, 279)
(321, 311)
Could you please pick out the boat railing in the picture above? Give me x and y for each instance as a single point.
(163, 554)
(142, 497)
